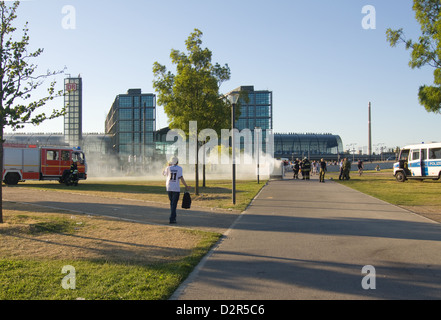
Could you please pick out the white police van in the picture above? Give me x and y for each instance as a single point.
(419, 161)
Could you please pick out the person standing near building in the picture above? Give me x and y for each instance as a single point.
(174, 175)
(296, 168)
(306, 169)
(314, 168)
(346, 169)
(340, 164)
(323, 170)
(360, 167)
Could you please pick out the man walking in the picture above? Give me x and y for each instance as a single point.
(174, 175)
(323, 170)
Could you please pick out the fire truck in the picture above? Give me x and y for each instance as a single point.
(31, 162)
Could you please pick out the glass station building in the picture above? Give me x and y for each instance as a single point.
(311, 145)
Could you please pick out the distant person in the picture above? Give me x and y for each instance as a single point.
(360, 167)
(346, 169)
(341, 170)
(174, 175)
(306, 169)
(314, 168)
(323, 170)
(296, 168)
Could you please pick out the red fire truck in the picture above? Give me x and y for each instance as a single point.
(30, 162)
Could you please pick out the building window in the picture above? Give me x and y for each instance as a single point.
(125, 102)
(149, 126)
(149, 137)
(242, 124)
(263, 123)
(125, 138)
(136, 102)
(150, 113)
(147, 101)
(125, 114)
(243, 112)
(262, 98)
(262, 111)
(125, 126)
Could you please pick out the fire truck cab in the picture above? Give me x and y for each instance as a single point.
(30, 162)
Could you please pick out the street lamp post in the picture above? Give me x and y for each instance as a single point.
(257, 139)
(234, 97)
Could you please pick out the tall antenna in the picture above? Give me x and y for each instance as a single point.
(370, 133)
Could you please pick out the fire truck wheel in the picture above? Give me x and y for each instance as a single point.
(12, 179)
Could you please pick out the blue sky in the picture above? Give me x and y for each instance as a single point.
(321, 64)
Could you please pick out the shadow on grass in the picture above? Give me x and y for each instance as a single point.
(123, 188)
(100, 187)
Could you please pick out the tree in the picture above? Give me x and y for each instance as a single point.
(17, 80)
(193, 93)
(425, 51)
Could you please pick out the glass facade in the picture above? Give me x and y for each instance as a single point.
(131, 123)
(314, 146)
(257, 112)
(73, 102)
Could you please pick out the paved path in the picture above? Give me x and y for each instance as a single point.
(310, 240)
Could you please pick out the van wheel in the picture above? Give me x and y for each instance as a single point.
(12, 179)
(400, 176)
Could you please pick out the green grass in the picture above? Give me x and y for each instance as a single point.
(384, 186)
(30, 279)
(216, 194)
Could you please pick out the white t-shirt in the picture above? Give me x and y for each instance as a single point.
(173, 173)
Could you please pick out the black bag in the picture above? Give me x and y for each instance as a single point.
(186, 201)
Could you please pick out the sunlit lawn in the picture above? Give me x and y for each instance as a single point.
(384, 186)
(216, 194)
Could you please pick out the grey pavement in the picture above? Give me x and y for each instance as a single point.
(310, 240)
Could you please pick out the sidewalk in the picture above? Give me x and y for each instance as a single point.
(310, 240)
